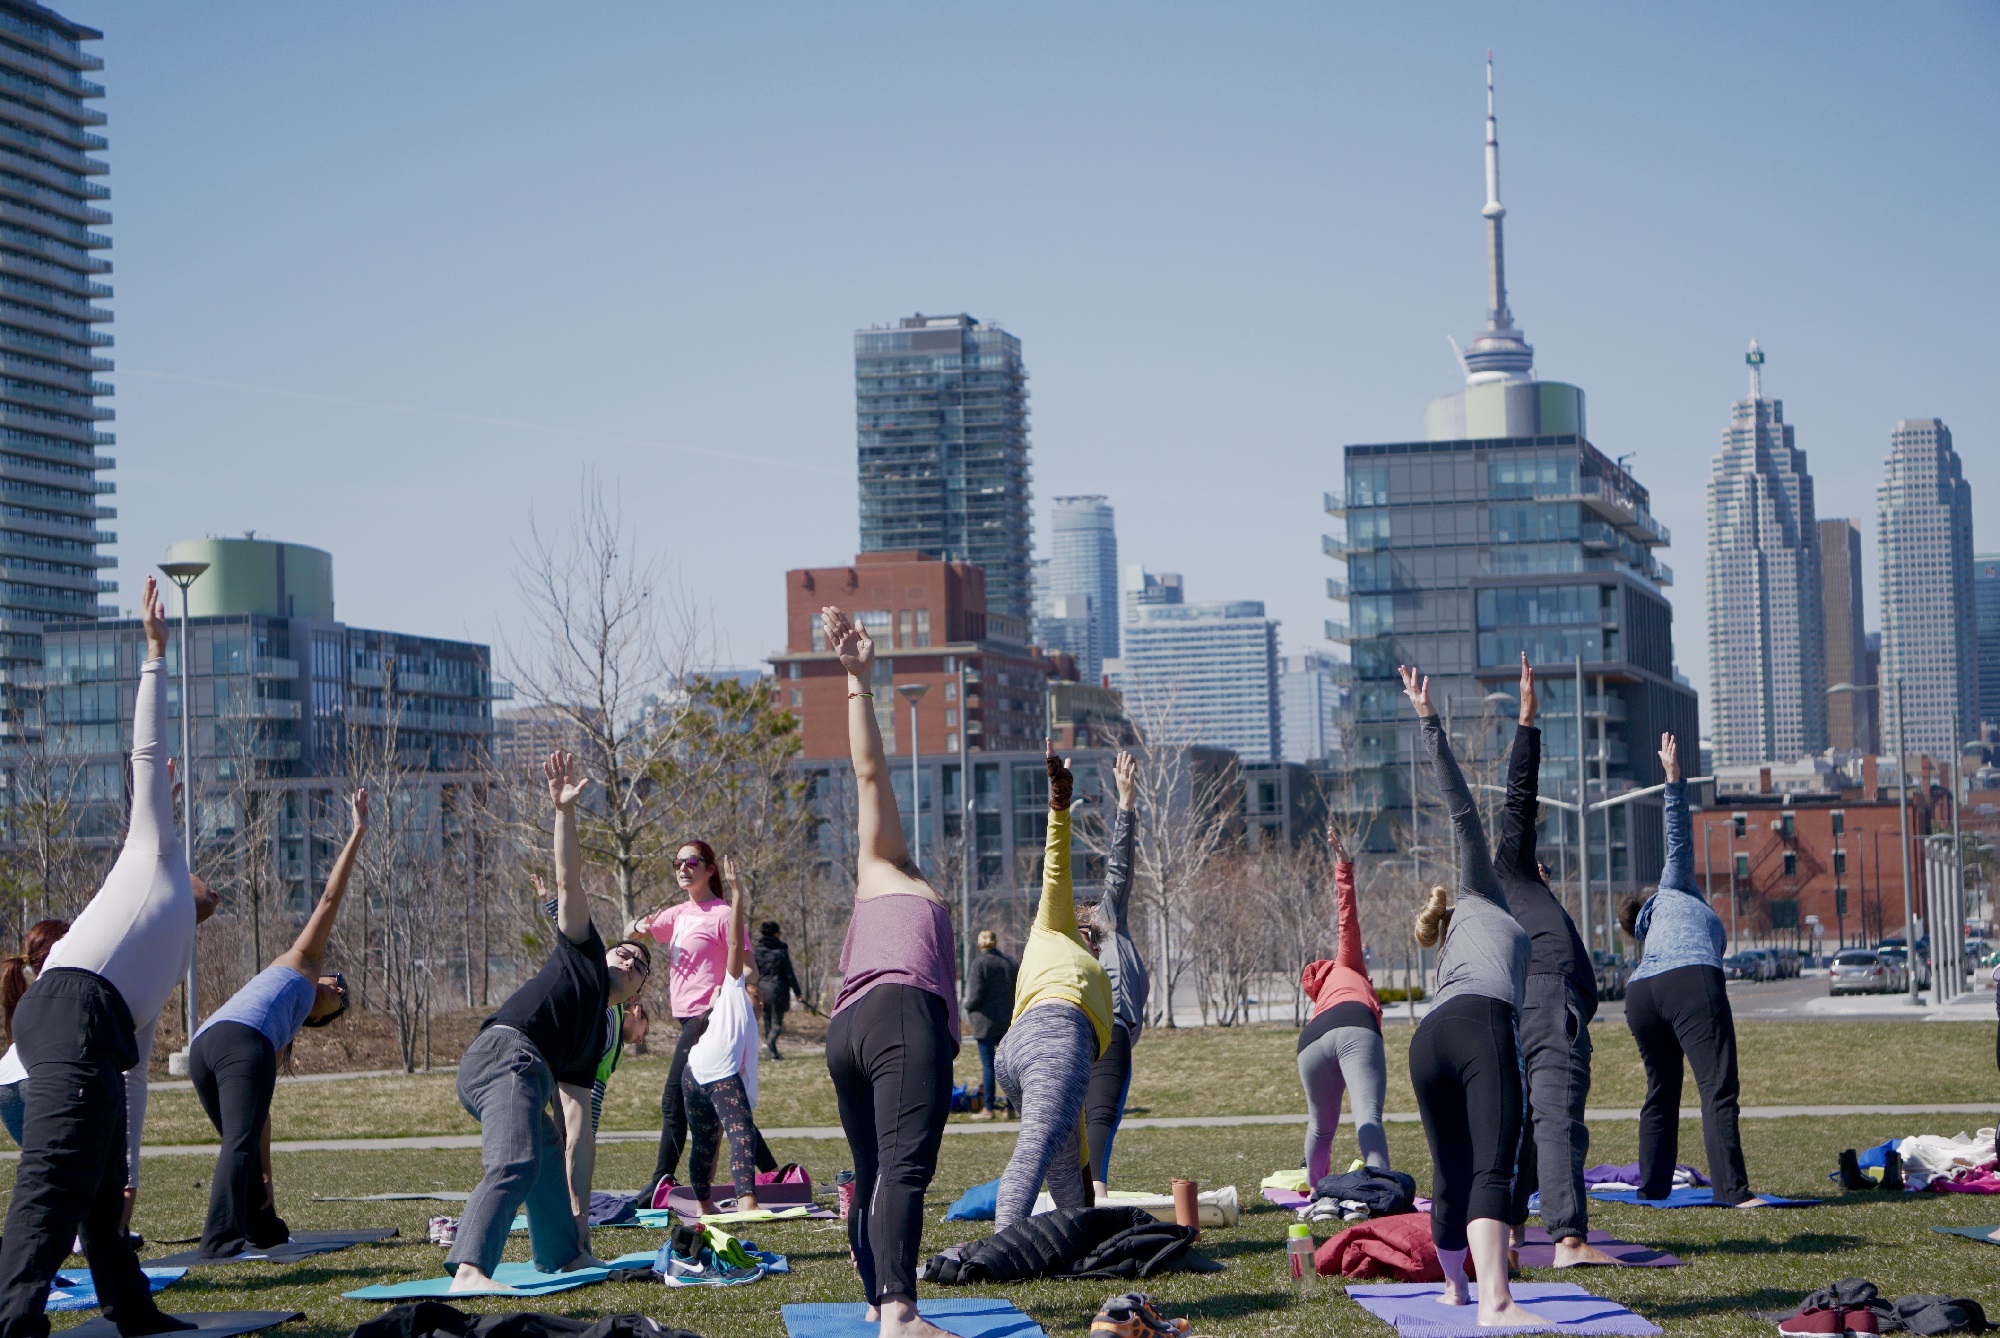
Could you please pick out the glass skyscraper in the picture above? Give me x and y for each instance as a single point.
(941, 408)
(49, 346)
(1986, 616)
(1924, 508)
(1082, 583)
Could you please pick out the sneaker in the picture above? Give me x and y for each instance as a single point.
(1814, 1324)
(1860, 1322)
(1134, 1315)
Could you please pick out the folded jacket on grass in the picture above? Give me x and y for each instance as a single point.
(425, 1319)
(302, 1245)
(1538, 1251)
(1382, 1247)
(76, 1291)
(977, 1204)
(1985, 1235)
(1067, 1243)
(216, 1324)
(524, 1279)
(607, 1209)
(968, 1317)
(1692, 1197)
(1413, 1309)
(1383, 1193)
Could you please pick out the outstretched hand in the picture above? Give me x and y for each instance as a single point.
(1125, 771)
(357, 804)
(1338, 846)
(1529, 703)
(566, 782)
(1417, 687)
(848, 641)
(1670, 757)
(731, 883)
(153, 615)
(1062, 783)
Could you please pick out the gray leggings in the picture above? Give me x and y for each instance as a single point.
(1345, 1059)
(1044, 1068)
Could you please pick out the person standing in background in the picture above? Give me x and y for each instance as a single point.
(989, 1002)
(776, 982)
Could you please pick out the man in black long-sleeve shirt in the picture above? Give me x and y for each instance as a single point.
(1561, 999)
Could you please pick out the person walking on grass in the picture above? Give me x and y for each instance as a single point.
(235, 1057)
(1109, 935)
(1557, 1004)
(1465, 1057)
(776, 982)
(543, 1044)
(1340, 1047)
(1677, 1005)
(721, 1077)
(893, 1031)
(989, 1002)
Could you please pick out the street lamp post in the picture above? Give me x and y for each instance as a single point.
(914, 693)
(968, 830)
(185, 574)
(1903, 817)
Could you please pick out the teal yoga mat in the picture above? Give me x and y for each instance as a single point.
(971, 1317)
(76, 1291)
(525, 1279)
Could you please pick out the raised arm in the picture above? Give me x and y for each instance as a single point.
(152, 786)
(1058, 908)
(1475, 861)
(733, 961)
(879, 827)
(1516, 852)
(1347, 949)
(308, 951)
(1679, 871)
(1112, 913)
(566, 786)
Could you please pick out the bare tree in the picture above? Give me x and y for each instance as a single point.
(50, 865)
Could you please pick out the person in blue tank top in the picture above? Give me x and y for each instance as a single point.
(234, 1064)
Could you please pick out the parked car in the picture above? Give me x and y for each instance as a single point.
(1747, 965)
(1786, 960)
(1901, 961)
(1860, 971)
(1613, 974)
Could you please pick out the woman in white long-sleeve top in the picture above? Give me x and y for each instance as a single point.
(84, 1024)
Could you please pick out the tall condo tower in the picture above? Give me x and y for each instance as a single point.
(49, 348)
(941, 407)
(1850, 716)
(1204, 674)
(1924, 508)
(1083, 566)
(1505, 530)
(1766, 648)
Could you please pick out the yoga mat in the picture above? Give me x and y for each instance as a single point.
(762, 1215)
(971, 1317)
(1412, 1308)
(1286, 1198)
(525, 1279)
(1538, 1251)
(1982, 1234)
(775, 1198)
(1693, 1196)
(302, 1245)
(80, 1292)
(442, 1195)
(217, 1324)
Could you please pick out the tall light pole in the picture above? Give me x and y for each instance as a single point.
(914, 693)
(1582, 820)
(184, 574)
(1903, 818)
(968, 830)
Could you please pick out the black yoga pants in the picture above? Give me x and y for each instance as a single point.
(1104, 1105)
(1684, 1013)
(890, 1054)
(235, 1071)
(673, 1111)
(76, 1038)
(1465, 1064)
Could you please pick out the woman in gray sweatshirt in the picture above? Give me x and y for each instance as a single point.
(1465, 1058)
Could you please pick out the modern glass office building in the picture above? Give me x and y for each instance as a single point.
(50, 265)
(1083, 582)
(941, 407)
(1200, 674)
(1986, 618)
(1924, 546)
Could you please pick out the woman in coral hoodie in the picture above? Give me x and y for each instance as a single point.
(1340, 1049)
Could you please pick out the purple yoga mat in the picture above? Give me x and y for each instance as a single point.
(1412, 1308)
(1540, 1252)
(1287, 1198)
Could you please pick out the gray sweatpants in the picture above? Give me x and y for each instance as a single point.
(1044, 1068)
(1344, 1060)
(505, 1084)
(1555, 1141)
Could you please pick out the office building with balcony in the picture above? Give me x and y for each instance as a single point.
(1199, 674)
(1766, 646)
(51, 270)
(1504, 531)
(941, 408)
(1082, 582)
(1924, 545)
(1850, 716)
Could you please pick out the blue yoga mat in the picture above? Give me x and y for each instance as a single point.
(977, 1204)
(525, 1279)
(972, 1317)
(1693, 1196)
(1982, 1234)
(74, 1291)
(1412, 1308)
(213, 1324)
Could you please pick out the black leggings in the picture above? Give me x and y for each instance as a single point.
(673, 1111)
(77, 1040)
(1104, 1105)
(1465, 1064)
(890, 1054)
(1676, 1014)
(719, 1110)
(235, 1070)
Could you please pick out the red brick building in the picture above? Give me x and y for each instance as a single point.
(930, 625)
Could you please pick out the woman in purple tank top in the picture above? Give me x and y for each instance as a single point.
(894, 1028)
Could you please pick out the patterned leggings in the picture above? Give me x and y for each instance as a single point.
(722, 1107)
(1044, 1068)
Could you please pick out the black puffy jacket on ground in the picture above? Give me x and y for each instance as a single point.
(425, 1319)
(1067, 1243)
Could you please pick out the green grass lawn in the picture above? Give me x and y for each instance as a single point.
(1739, 1262)
(1214, 1071)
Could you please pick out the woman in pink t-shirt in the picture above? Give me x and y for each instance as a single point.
(696, 932)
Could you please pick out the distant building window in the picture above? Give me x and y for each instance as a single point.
(798, 698)
(951, 743)
(923, 627)
(1791, 865)
(905, 631)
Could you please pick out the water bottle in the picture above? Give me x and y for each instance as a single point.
(843, 1193)
(1299, 1258)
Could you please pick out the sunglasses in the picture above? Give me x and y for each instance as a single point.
(689, 862)
(634, 959)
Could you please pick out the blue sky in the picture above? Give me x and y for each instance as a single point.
(391, 277)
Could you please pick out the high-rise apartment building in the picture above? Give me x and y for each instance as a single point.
(1083, 566)
(1924, 508)
(1310, 698)
(941, 409)
(1199, 674)
(1986, 624)
(1850, 716)
(1766, 653)
(1506, 531)
(49, 346)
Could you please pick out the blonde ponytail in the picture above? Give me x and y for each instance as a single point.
(1433, 919)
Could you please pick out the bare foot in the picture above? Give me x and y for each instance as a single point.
(584, 1260)
(1575, 1251)
(706, 1207)
(1754, 1202)
(1453, 1293)
(470, 1279)
(746, 1203)
(900, 1320)
(1505, 1312)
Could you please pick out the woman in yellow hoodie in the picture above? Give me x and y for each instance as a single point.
(1062, 1023)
